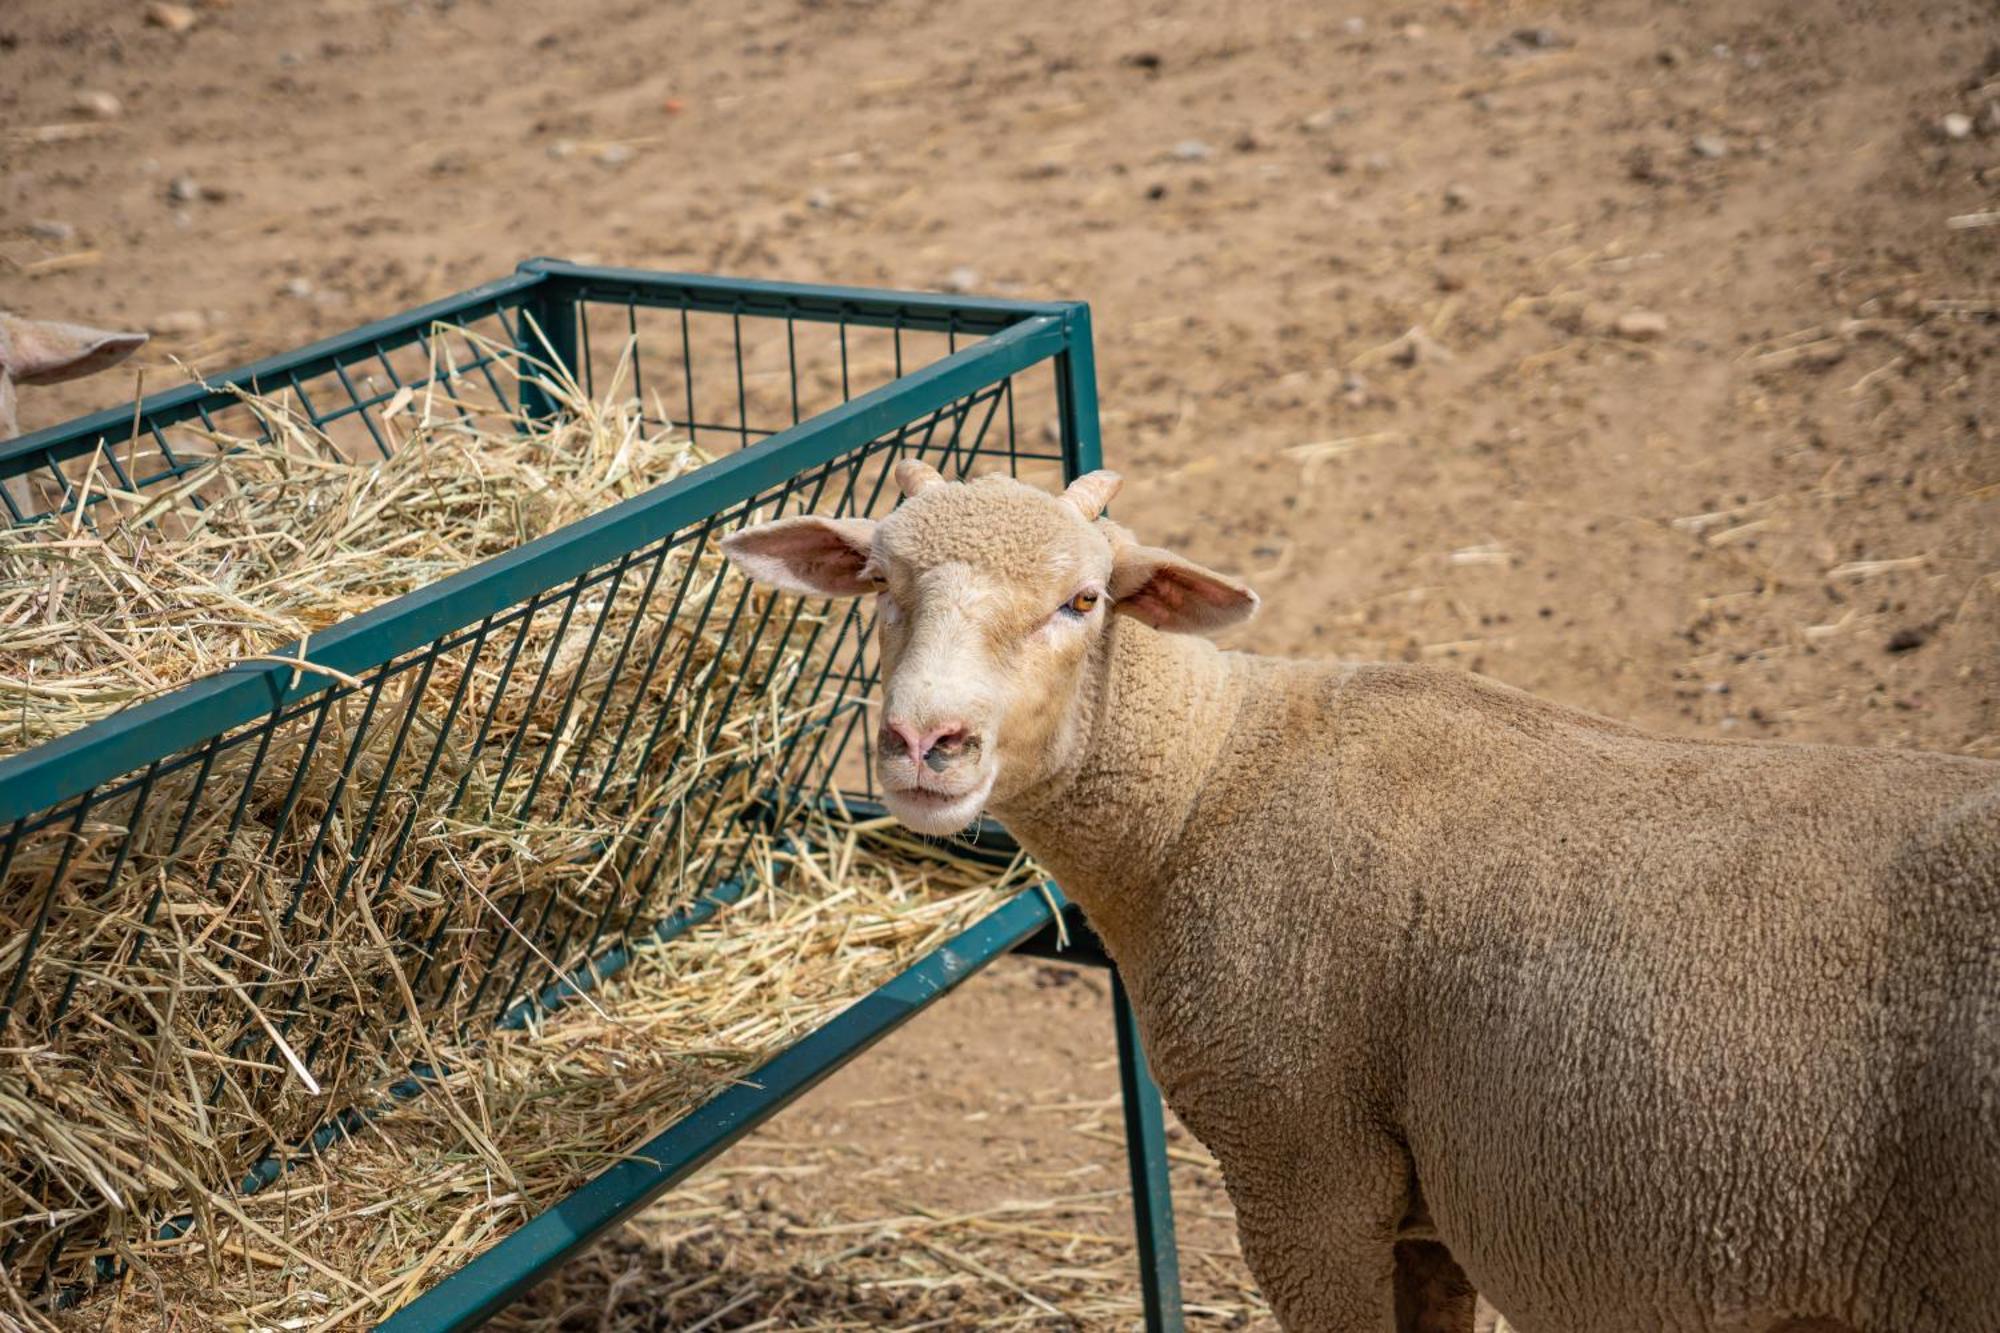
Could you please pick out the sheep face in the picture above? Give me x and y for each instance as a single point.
(993, 605)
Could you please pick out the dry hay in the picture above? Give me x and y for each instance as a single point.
(527, 1116)
(278, 931)
(136, 592)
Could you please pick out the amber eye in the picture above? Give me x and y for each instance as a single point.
(1082, 603)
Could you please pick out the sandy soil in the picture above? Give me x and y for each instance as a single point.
(1620, 351)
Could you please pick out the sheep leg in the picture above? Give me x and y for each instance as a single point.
(1319, 1236)
(1432, 1293)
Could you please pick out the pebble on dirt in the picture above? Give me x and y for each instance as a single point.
(962, 279)
(1640, 325)
(98, 104)
(1708, 145)
(174, 18)
(183, 190)
(1956, 125)
(1909, 638)
(178, 323)
(1193, 150)
(48, 229)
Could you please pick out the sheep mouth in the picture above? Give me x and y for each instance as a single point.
(939, 813)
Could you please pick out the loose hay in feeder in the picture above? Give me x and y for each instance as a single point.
(527, 1116)
(275, 926)
(277, 535)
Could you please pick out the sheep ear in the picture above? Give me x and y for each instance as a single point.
(40, 351)
(1176, 595)
(815, 556)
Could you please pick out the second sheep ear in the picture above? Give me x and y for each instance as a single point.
(1174, 594)
(808, 554)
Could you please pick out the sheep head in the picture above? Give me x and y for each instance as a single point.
(994, 600)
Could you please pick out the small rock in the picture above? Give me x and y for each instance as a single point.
(614, 155)
(1541, 39)
(1418, 348)
(962, 279)
(1671, 56)
(1640, 325)
(1192, 150)
(1457, 197)
(1956, 125)
(182, 189)
(1375, 163)
(1753, 60)
(820, 199)
(1354, 27)
(178, 323)
(48, 229)
(1909, 638)
(174, 18)
(298, 288)
(1412, 32)
(562, 148)
(98, 104)
(1146, 60)
(290, 58)
(1708, 145)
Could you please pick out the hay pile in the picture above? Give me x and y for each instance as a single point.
(136, 592)
(276, 929)
(527, 1116)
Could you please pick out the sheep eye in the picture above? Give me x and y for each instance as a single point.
(1082, 604)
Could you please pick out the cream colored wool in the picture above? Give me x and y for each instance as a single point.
(1463, 988)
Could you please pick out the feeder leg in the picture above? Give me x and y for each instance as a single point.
(1152, 1193)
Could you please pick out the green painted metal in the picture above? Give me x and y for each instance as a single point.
(548, 334)
(1152, 1186)
(1076, 387)
(503, 1273)
(874, 307)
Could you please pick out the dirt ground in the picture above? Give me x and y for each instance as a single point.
(1626, 352)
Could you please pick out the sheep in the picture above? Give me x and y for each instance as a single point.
(1467, 991)
(44, 352)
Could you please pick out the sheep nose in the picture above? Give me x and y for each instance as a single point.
(938, 749)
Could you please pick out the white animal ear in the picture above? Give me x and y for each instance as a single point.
(1175, 595)
(819, 557)
(40, 351)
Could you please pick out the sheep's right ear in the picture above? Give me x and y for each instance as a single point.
(1173, 594)
(808, 554)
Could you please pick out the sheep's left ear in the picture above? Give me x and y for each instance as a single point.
(1176, 595)
(819, 557)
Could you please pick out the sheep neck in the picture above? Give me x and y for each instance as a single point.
(1151, 718)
